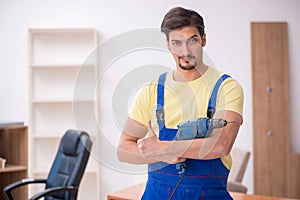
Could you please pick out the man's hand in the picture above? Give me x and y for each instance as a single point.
(151, 147)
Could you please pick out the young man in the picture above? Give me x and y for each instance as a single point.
(148, 134)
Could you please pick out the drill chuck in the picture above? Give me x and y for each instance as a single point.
(217, 123)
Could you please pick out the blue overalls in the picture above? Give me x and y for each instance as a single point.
(203, 179)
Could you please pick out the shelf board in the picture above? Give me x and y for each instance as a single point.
(60, 66)
(13, 168)
(48, 136)
(61, 30)
(46, 171)
(58, 100)
(51, 136)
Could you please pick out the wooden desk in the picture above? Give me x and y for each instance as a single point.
(135, 193)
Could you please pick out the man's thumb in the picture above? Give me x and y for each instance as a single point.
(150, 130)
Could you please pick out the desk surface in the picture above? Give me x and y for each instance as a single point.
(135, 192)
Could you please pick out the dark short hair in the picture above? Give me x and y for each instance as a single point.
(179, 17)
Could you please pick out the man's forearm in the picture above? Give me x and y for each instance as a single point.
(130, 153)
(149, 149)
(200, 149)
(218, 145)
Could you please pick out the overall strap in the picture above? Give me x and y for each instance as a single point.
(160, 101)
(213, 98)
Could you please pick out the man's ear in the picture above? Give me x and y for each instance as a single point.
(203, 39)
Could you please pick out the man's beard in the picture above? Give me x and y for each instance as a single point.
(189, 66)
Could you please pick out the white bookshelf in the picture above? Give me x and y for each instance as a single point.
(56, 57)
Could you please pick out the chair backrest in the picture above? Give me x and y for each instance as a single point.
(70, 162)
(240, 158)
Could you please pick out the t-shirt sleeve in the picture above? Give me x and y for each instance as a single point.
(231, 97)
(140, 110)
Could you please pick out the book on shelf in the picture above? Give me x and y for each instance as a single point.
(7, 123)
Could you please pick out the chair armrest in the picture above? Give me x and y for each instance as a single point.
(8, 188)
(234, 186)
(51, 191)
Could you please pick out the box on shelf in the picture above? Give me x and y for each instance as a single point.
(2, 163)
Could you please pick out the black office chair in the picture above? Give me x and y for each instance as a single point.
(66, 171)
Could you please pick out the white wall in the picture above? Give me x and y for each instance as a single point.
(228, 45)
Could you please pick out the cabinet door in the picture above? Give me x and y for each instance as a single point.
(272, 158)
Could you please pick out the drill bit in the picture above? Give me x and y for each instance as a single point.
(231, 122)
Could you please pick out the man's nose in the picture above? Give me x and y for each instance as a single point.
(184, 50)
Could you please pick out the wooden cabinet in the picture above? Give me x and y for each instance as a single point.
(14, 148)
(62, 80)
(276, 169)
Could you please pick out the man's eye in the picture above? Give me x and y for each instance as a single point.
(192, 41)
(176, 43)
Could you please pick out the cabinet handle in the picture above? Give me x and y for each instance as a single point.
(269, 89)
(270, 133)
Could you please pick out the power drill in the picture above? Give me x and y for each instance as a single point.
(197, 128)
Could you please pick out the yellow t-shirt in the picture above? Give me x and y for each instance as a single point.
(187, 100)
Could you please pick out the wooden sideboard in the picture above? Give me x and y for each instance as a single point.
(14, 148)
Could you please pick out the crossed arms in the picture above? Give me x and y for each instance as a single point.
(140, 145)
